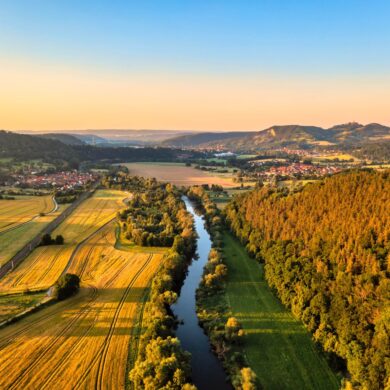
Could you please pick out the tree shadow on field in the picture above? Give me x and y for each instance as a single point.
(113, 311)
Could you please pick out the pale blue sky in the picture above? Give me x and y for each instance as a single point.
(203, 36)
(265, 39)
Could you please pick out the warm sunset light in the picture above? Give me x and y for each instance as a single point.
(194, 195)
(192, 66)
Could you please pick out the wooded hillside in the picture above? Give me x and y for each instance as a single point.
(23, 147)
(326, 253)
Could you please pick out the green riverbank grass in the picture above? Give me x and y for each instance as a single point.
(277, 346)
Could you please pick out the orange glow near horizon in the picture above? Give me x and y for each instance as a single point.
(52, 98)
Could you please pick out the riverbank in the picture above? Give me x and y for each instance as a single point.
(277, 346)
(207, 371)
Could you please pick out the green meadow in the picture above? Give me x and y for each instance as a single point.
(277, 346)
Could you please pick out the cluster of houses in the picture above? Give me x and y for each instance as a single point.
(61, 180)
(300, 169)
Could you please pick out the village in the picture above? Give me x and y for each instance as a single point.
(301, 170)
(63, 181)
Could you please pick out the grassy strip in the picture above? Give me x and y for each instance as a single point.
(30, 306)
(277, 346)
(136, 337)
(226, 333)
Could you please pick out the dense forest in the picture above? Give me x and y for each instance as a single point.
(373, 151)
(326, 251)
(151, 217)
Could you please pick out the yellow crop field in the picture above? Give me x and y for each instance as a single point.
(16, 237)
(39, 271)
(45, 264)
(91, 215)
(23, 209)
(83, 342)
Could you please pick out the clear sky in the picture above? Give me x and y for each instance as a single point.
(206, 65)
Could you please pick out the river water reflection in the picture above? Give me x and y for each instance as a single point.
(207, 371)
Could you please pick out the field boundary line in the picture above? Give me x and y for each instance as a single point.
(103, 348)
(22, 254)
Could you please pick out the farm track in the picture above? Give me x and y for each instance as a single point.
(102, 361)
(82, 342)
(56, 312)
(100, 357)
(83, 216)
(7, 340)
(16, 225)
(74, 347)
(82, 243)
(51, 345)
(102, 352)
(15, 260)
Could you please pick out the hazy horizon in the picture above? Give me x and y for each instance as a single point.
(184, 130)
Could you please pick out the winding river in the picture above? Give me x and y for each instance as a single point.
(207, 371)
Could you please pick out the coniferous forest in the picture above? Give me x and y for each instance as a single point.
(326, 250)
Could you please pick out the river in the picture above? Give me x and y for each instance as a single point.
(207, 371)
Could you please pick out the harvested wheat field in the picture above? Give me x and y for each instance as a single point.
(45, 264)
(23, 209)
(179, 174)
(83, 342)
(91, 215)
(12, 239)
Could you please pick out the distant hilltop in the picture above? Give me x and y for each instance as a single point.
(296, 136)
(292, 136)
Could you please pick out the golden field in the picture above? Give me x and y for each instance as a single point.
(12, 239)
(83, 342)
(91, 215)
(23, 209)
(44, 265)
(179, 174)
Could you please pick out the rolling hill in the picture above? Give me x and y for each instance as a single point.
(285, 136)
(22, 147)
(67, 139)
(199, 139)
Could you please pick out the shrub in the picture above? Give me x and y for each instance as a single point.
(47, 240)
(66, 286)
(59, 240)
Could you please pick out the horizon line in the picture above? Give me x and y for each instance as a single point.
(187, 130)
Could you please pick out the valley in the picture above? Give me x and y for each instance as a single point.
(195, 195)
(125, 233)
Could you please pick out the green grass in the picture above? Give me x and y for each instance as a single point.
(246, 156)
(123, 244)
(278, 347)
(221, 200)
(12, 241)
(217, 160)
(11, 305)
